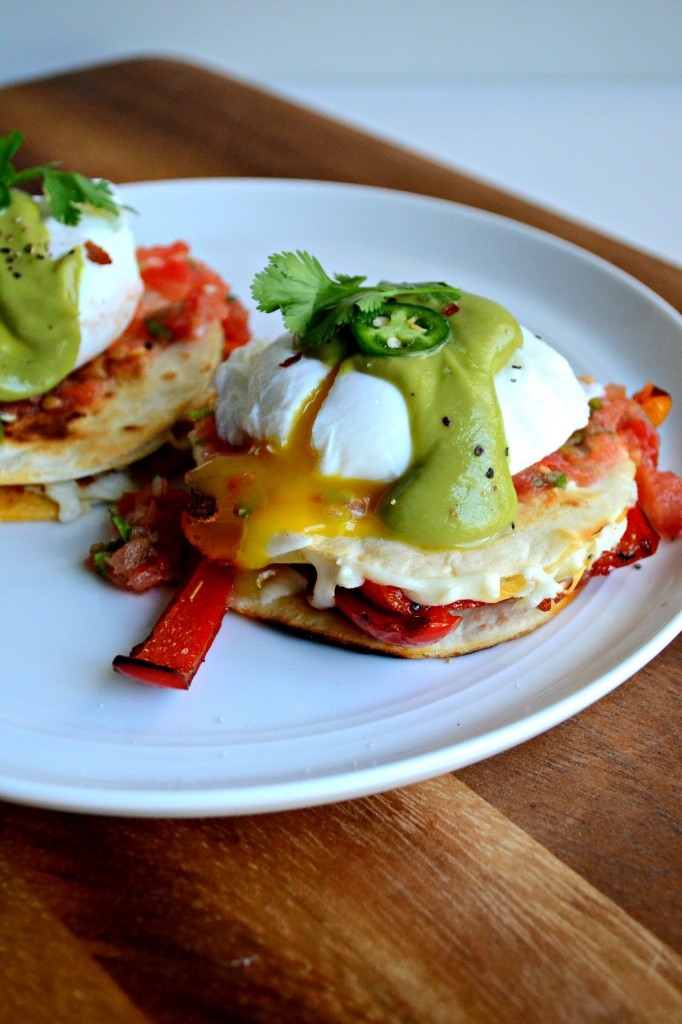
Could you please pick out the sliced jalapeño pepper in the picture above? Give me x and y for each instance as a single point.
(400, 330)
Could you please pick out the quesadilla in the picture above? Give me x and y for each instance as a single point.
(103, 347)
(410, 471)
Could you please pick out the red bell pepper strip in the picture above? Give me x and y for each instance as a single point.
(178, 643)
(639, 541)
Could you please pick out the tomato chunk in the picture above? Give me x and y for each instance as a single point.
(166, 269)
(660, 495)
(195, 294)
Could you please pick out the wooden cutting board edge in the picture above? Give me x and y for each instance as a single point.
(294, 142)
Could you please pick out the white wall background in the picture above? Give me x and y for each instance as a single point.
(265, 39)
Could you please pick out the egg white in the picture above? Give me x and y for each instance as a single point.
(258, 396)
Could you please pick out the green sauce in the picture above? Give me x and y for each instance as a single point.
(458, 489)
(39, 329)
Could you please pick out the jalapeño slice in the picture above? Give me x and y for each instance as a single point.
(401, 330)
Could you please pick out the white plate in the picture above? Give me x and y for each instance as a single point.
(276, 722)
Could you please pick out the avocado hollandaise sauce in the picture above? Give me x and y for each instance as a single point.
(456, 492)
(39, 328)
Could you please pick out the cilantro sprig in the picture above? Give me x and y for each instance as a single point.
(314, 305)
(66, 191)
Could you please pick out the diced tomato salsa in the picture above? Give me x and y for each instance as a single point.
(194, 296)
(660, 496)
(167, 270)
(182, 299)
(617, 423)
(150, 547)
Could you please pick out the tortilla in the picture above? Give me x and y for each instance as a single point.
(558, 534)
(132, 418)
(480, 628)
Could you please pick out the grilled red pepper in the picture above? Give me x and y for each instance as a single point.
(638, 541)
(177, 645)
(388, 615)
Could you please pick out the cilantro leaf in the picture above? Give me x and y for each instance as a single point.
(297, 284)
(124, 528)
(66, 191)
(9, 144)
(100, 552)
(314, 305)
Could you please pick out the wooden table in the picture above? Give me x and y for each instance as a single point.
(541, 885)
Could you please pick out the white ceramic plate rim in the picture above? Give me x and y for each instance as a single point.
(409, 745)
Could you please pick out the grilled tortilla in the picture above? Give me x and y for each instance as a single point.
(558, 534)
(131, 417)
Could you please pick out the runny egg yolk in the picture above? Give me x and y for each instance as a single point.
(253, 495)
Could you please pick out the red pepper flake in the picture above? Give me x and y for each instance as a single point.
(451, 309)
(291, 360)
(96, 254)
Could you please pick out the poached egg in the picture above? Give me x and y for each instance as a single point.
(318, 447)
(361, 430)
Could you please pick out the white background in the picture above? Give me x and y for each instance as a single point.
(575, 105)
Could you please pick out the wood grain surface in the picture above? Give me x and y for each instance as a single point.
(540, 885)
